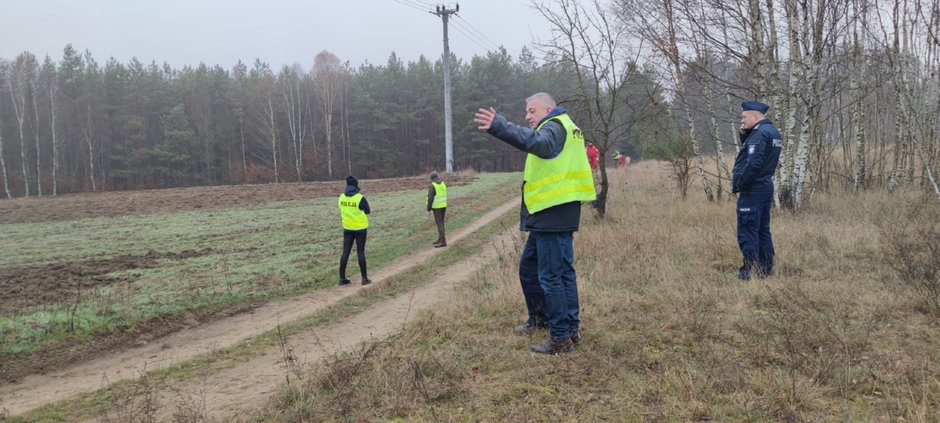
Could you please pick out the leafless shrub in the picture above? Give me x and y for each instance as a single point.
(192, 409)
(811, 340)
(911, 247)
(137, 404)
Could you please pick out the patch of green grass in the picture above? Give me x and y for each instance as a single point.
(94, 404)
(255, 253)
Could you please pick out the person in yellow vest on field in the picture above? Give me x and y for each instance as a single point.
(354, 210)
(556, 182)
(437, 202)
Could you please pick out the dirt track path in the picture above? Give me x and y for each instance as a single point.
(249, 383)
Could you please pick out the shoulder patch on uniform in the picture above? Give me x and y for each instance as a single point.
(778, 142)
(751, 148)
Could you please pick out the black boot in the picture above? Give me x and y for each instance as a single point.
(576, 337)
(527, 328)
(344, 281)
(554, 346)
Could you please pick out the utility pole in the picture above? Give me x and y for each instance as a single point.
(445, 13)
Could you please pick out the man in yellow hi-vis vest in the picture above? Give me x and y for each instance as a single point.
(354, 210)
(437, 202)
(556, 182)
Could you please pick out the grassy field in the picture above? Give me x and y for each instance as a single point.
(848, 328)
(198, 264)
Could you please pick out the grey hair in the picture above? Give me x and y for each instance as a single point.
(544, 98)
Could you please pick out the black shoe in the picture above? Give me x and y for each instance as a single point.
(344, 281)
(554, 346)
(576, 337)
(366, 281)
(440, 244)
(527, 328)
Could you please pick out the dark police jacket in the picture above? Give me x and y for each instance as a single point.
(547, 143)
(757, 159)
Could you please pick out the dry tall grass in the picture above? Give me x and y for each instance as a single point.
(669, 333)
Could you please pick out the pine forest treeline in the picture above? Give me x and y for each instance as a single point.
(853, 85)
(74, 125)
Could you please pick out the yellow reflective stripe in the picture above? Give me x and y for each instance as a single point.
(356, 223)
(575, 174)
(438, 200)
(558, 192)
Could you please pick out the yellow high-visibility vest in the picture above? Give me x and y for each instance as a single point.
(440, 195)
(562, 179)
(353, 218)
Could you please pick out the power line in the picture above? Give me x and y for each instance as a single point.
(481, 33)
(422, 3)
(471, 38)
(409, 5)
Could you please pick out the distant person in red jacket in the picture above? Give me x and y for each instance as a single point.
(621, 159)
(593, 155)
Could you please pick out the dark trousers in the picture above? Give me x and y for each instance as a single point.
(754, 239)
(439, 220)
(555, 251)
(531, 288)
(360, 238)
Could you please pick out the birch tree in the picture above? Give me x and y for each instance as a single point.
(659, 23)
(591, 40)
(4, 68)
(858, 95)
(19, 79)
(51, 84)
(293, 88)
(266, 114)
(328, 78)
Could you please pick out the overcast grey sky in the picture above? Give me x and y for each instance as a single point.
(279, 32)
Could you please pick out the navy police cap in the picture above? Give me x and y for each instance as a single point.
(756, 106)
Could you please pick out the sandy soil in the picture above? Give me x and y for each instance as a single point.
(228, 392)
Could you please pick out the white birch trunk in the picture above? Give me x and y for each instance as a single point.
(328, 123)
(35, 96)
(807, 138)
(295, 123)
(53, 91)
(785, 167)
(720, 166)
(858, 116)
(3, 165)
(88, 135)
(270, 126)
(18, 97)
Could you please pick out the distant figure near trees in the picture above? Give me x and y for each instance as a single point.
(621, 159)
(437, 203)
(354, 210)
(592, 155)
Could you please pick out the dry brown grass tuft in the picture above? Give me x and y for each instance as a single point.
(669, 333)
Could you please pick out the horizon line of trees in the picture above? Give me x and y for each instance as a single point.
(74, 125)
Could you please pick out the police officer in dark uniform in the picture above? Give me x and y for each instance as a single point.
(752, 177)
